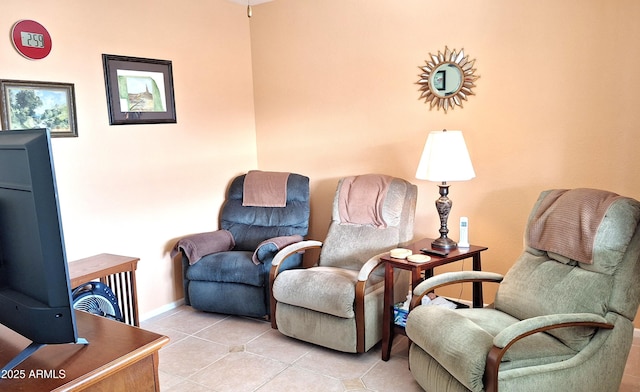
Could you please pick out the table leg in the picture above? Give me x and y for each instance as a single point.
(387, 313)
(478, 301)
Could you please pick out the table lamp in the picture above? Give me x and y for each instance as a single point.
(445, 158)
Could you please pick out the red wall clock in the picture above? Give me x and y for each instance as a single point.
(31, 39)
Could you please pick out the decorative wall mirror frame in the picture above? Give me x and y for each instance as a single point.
(447, 79)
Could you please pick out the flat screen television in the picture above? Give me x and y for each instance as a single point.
(35, 293)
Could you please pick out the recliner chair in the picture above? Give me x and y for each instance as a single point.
(563, 314)
(338, 302)
(227, 271)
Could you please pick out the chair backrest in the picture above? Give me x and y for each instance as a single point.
(546, 279)
(252, 225)
(350, 245)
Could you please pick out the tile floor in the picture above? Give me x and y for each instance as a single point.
(212, 352)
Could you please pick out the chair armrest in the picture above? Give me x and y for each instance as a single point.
(275, 268)
(294, 248)
(195, 246)
(368, 267)
(268, 248)
(448, 278)
(288, 251)
(510, 335)
(526, 327)
(363, 276)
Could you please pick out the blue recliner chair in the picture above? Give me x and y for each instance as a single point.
(227, 271)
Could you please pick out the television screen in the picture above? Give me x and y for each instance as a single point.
(35, 295)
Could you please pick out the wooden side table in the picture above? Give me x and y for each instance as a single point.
(117, 272)
(389, 329)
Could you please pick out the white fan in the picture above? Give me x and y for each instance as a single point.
(96, 298)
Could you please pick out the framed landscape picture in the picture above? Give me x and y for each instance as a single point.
(139, 90)
(28, 105)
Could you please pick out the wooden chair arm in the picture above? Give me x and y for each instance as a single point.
(363, 277)
(505, 339)
(449, 278)
(285, 252)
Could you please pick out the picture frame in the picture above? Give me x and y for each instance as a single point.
(139, 90)
(30, 104)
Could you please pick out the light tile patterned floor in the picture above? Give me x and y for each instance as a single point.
(212, 352)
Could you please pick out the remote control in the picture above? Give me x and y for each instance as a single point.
(428, 251)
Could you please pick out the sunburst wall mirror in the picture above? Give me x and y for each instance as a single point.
(447, 79)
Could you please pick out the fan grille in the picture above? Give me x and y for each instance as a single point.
(98, 299)
(95, 304)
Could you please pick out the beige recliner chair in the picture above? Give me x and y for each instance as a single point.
(563, 314)
(338, 302)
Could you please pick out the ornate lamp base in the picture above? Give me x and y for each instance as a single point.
(443, 205)
(444, 243)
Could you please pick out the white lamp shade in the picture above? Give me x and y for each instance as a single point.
(445, 158)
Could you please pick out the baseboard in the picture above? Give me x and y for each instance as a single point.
(163, 309)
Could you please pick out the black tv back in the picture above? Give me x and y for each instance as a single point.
(35, 292)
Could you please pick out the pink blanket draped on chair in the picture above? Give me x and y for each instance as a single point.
(196, 246)
(265, 189)
(361, 198)
(567, 221)
(274, 244)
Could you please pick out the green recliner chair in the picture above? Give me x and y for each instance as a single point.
(563, 314)
(338, 302)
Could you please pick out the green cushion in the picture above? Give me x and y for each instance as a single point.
(457, 343)
(460, 339)
(326, 289)
(538, 285)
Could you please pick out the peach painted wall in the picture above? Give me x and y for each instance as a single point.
(134, 189)
(334, 86)
(556, 104)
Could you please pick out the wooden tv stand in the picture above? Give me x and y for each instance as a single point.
(119, 357)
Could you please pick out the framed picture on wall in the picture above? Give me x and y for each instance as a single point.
(139, 90)
(28, 105)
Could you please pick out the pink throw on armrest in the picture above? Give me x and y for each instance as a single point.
(277, 243)
(196, 246)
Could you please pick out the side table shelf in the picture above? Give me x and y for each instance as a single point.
(117, 272)
(389, 328)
